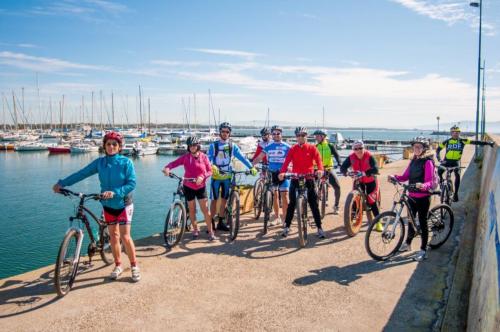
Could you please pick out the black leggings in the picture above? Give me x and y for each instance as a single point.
(451, 163)
(369, 188)
(312, 199)
(420, 206)
(334, 182)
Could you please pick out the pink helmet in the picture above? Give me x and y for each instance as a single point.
(114, 136)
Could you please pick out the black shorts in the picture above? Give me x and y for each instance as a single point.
(191, 193)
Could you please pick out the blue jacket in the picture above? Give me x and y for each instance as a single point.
(116, 174)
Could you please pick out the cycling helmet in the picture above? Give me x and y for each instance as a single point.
(192, 140)
(455, 128)
(114, 135)
(276, 128)
(300, 130)
(422, 140)
(320, 132)
(358, 144)
(225, 125)
(264, 131)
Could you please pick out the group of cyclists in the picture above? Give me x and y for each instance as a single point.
(117, 179)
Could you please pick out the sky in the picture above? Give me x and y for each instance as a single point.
(367, 63)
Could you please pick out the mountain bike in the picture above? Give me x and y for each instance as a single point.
(68, 257)
(321, 187)
(301, 204)
(383, 245)
(265, 194)
(446, 185)
(258, 191)
(177, 220)
(355, 205)
(232, 210)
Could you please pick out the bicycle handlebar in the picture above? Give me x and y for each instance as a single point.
(67, 192)
(289, 175)
(235, 172)
(180, 178)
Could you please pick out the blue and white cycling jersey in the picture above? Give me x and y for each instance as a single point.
(276, 154)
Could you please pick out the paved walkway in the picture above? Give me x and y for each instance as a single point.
(257, 283)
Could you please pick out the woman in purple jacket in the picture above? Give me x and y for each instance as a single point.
(420, 173)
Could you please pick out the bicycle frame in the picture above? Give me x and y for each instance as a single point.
(398, 207)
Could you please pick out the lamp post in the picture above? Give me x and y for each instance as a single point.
(480, 5)
(439, 138)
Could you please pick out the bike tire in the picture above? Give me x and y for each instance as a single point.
(268, 207)
(323, 196)
(258, 189)
(63, 281)
(444, 197)
(233, 215)
(105, 244)
(301, 222)
(386, 237)
(353, 213)
(174, 228)
(440, 221)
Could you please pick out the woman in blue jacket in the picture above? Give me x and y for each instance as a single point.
(117, 178)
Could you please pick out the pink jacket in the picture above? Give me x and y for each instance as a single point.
(428, 173)
(193, 168)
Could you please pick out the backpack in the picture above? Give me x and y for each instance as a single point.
(216, 149)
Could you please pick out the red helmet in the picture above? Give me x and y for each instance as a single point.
(114, 136)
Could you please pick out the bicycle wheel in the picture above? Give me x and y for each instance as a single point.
(268, 207)
(323, 198)
(258, 188)
(67, 262)
(104, 242)
(440, 222)
(301, 222)
(233, 215)
(383, 245)
(175, 225)
(353, 212)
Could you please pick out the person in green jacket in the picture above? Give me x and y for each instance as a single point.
(328, 152)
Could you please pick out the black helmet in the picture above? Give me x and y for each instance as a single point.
(276, 128)
(422, 140)
(225, 125)
(264, 131)
(320, 132)
(192, 140)
(300, 130)
(455, 128)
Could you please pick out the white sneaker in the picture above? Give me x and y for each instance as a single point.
(285, 232)
(420, 256)
(136, 273)
(405, 247)
(116, 272)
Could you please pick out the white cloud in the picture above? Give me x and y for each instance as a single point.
(449, 11)
(27, 45)
(175, 63)
(42, 64)
(234, 53)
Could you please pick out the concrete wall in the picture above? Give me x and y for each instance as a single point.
(484, 301)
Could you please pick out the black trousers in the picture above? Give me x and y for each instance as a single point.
(312, 199)
(334, 182)
(369, 188)
(420, 207)
(451, 163)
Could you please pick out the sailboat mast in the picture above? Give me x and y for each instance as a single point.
(194, 110)
(149, 117)
(50, 111)
(39, 102)
(92, 110)
(100, 108)
(140, 107)
(15, 110)
(112, 110)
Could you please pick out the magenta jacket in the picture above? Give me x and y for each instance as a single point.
(193, 168)
(428, 173)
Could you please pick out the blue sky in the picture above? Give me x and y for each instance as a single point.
(386, 63)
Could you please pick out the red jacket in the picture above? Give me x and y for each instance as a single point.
(362, 165)
(303, 158)
(260, 147)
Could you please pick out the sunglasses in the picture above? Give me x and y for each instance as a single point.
(224, 131)
(276, 134)
(301, 135)
(357, 149)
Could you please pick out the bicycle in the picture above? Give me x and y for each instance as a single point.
(446, 185)
(258, 191)
(301, 205)
(355, 205)
(321, 187)
(439, 221)
(232, 210)
(68, 257)
(176, 222)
